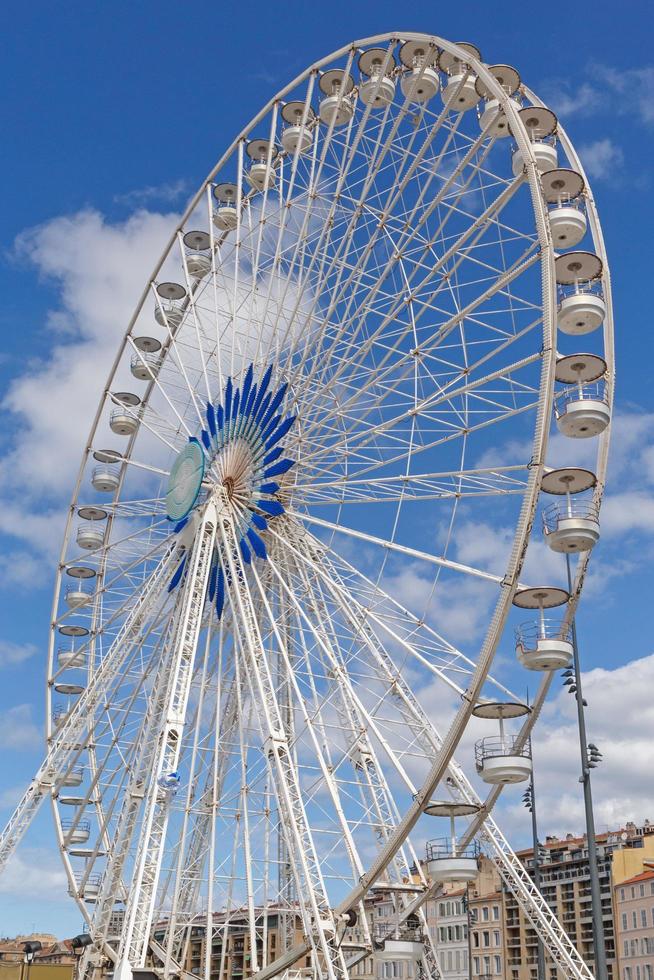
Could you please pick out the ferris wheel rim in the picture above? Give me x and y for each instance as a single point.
(548, 360)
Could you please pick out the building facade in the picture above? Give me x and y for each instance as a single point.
(447, 921)
(634, 926)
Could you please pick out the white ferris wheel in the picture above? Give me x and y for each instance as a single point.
(347, 364)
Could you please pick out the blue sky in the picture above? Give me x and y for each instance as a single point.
(113, 114)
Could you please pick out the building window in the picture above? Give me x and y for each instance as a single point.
(633, 892)
(496, 937)
(648, 972)
(642, 890)
(622, 894)
(626, 947)
(486, 938)
(627, 973)
(634, 920)
(475, 963)
(496, 912)
(484, 913)
(624, 920)
(643, 918)
(498, 964)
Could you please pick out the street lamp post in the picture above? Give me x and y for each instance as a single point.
(30, 949)
(468, 920)
(79, 944)
(589, 759)
(529, 800)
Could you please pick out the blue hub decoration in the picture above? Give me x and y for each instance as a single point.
(240, 450)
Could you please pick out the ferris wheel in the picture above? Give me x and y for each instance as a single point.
(275, 618)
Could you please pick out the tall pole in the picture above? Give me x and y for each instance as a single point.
(536, 862)
(469, 933)
(595, 890)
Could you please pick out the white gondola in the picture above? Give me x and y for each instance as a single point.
(87, 890)
(74, 777)
(572, 526)
(76, 596)
(261, 176)
(70, 659)
(78, 834)
(167, 313)
(198, 263)
(72, 800)
(459, 93)
(493, 119)
(581, 304)
(106, 477)
(403, 950)
(90, 535)
(60, 715)
(378, 87)
(582, 408)
(568, 225)
(543, 644)
(122, 423)
(446, 859)
(421, 82)
(337, 108)
(540, 124)
(144, 366)
(169, 316)
(501, 760)
(225, 214)
(123, 419)
(563, 190)
(297, 135)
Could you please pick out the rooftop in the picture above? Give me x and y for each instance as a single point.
(643, 876)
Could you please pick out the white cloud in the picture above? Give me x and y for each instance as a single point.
(620, 719)
(567, 101)
(34, 873)
(167, 193)
(636, 83)
(602, 159)
(100, 270)
(10, 796)
(618, 90)
(12, 654)
(17, 728)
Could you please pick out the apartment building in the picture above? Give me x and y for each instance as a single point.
(634, 926)
(565, 884)
(487, 935)
(447, 921)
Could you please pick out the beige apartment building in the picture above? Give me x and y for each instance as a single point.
(634, 926)
(488, 935)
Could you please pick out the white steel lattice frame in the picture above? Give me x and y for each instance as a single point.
(366, 277)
